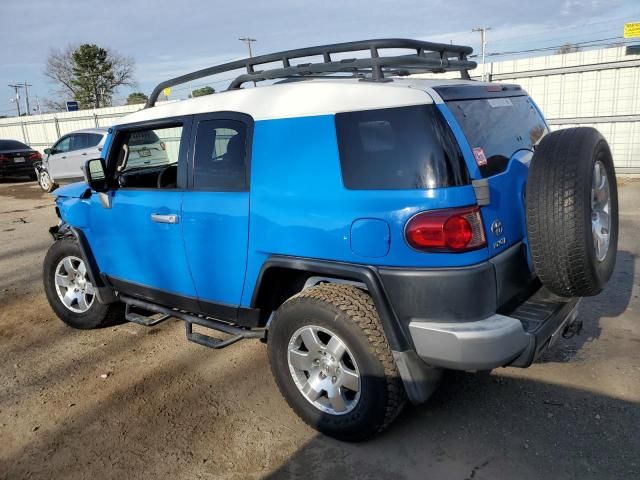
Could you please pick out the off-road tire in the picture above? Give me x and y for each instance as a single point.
(350, 313)
(558, 211)
(98, 314)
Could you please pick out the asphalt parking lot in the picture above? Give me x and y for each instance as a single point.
(130, 402)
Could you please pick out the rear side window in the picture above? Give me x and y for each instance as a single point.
(94, 139)
(397, 149)
(220, 156)
(79, 141)
(496, 128)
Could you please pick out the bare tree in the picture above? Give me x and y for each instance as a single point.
(65, 72)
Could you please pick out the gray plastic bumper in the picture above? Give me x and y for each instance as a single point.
(493, 342)
(479, 345)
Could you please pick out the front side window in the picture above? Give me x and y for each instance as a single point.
(62, 146)
(220, 156)
(397, 149)
(148, 158)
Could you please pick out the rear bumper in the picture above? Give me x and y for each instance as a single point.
(496, 341)
(17, 169)
(479, 317)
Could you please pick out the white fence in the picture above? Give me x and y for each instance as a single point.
(41, 131)
(600, 88)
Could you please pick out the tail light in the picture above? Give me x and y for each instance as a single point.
(163, 146)
(4, 158)
(454, 230)
(35, 156)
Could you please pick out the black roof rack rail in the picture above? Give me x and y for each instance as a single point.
(429, 57)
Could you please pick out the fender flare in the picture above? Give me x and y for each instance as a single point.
(104, 291)
(398, 337)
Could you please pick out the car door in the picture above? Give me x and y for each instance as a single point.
(57, 159)
(78, 154)
(136, 229)
(215, 211)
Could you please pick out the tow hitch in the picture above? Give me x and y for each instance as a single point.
(572, 329)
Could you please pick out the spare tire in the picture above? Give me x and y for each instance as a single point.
(572, 212)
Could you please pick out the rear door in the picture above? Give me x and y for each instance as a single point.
(501, 130)
(215, 210)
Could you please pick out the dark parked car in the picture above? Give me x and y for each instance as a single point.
(17, 159)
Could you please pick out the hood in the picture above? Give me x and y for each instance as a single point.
(73, 190)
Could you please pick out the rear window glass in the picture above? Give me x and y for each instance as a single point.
(398, 149)
(498, 127)
(12, 145)
(143, 137)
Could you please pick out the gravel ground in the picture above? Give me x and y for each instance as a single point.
(130, 402)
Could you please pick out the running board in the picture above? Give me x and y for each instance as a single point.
(145, 321)
(236, 333)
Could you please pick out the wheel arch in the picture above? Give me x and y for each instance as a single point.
(105, 292)
(281, 277)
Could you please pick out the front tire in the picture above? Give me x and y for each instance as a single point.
(45, 182)
(69, 290)
(332, 363)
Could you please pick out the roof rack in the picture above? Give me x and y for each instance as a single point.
(429, 57)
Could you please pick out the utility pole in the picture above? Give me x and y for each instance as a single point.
(26, 96)
(249, 41)
(483, 46)
(17, 100)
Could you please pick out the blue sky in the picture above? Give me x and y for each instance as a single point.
(168, 38)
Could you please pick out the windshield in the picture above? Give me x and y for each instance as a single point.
(498, 127)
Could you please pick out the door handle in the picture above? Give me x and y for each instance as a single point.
(84, 153)
(64, 157)
(172, 218)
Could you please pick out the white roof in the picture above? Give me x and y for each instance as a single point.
(303, 98)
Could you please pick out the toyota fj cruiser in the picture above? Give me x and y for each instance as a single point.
(372, 227)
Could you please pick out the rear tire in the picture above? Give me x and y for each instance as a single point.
(70, 292)
(345, 320)
(572, 212)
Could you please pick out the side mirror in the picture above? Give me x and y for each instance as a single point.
(94, 174)
(48, 151)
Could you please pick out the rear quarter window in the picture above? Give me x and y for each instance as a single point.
(498, 127)
(401, 148)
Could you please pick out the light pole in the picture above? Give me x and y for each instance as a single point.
(249, 41)
(483, 46)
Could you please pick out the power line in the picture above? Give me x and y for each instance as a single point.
(555, 47)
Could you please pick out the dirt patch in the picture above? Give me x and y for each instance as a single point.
(129, 402)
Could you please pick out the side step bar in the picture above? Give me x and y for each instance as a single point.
(236, 333)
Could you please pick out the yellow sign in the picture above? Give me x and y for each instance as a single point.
(632, 30)
(167, 92)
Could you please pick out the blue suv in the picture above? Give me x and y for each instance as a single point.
(372, 227)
